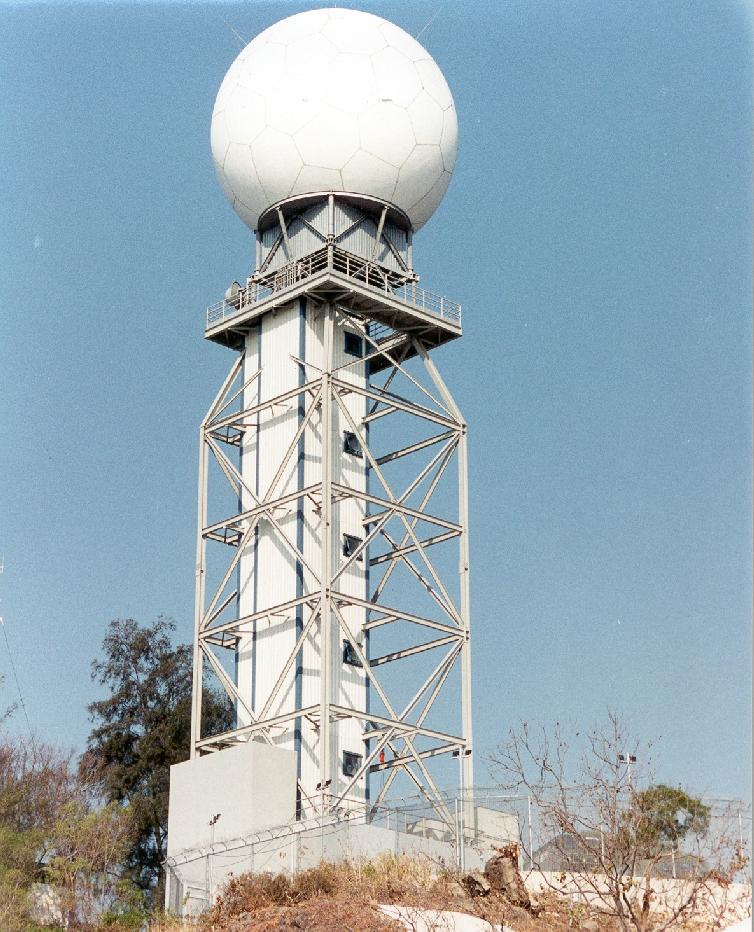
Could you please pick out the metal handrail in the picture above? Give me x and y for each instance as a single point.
(370, 274)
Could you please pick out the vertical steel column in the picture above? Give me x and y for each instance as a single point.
(463, 571)
(467, 765)
(325, 617)
(201, 549)
(330, 232)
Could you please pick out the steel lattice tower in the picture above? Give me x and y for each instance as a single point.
(332, 574)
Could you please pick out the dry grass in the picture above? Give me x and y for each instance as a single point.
(343, 897)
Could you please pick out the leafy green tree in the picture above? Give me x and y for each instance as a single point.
(84, 865)
(36, 781)
(53, 831)
(664, 815)
(143, 727)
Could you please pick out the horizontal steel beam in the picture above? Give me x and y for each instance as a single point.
(402, 761)
(279, 609)
(416, 649)
(248, 730)
(233, 420)
(261, 509)
(399, 552)
(392, 507)
(400, 404)
(401, 727)
(393, 614)
(415, 447)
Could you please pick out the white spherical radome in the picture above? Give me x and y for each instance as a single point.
(334, 100)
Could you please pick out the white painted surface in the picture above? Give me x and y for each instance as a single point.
(493, 824)
(252, 787)
(334, 100)
(439, 920)
(268, 573)
(279, 850)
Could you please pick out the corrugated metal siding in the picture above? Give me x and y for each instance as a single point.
(268, 569)
(350, 686)
(360, 240)
(317, 216)
(269, 573)
(310, 686)
(247, 566)
(345, 215)
(398, 238)
(303, 240)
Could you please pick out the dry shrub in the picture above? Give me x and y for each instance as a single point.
(343, 897)
(252, 892)
(319, 914)
(387, 878)
(358, 884)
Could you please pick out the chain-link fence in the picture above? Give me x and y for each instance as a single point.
(488, 817)
(458, 831)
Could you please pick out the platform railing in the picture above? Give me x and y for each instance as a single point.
(369, 274)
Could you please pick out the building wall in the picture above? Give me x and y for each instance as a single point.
(251, 786)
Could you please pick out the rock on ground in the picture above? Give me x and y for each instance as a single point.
(437, 920)
(503, 876)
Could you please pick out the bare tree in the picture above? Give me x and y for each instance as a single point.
(612, 831)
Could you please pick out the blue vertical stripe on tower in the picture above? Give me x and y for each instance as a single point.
(300, 479)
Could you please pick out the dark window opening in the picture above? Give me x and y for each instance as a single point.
(351, 544)
(351, 763)
(349, 654)
(351, 444)
(353, 344)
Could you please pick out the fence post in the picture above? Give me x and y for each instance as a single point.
(740, 831)
(531, 845)
(458, 834)
(462, 812)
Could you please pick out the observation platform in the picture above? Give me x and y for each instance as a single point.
(394, 309)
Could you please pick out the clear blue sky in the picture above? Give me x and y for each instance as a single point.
(598, 233)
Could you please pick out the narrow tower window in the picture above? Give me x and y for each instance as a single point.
(351, 763)
(351, 444)
(350, 546)
(349, 654)
(353, 344)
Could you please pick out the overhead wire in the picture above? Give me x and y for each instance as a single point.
(236, 33)
(428, 23)
(14, 672)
